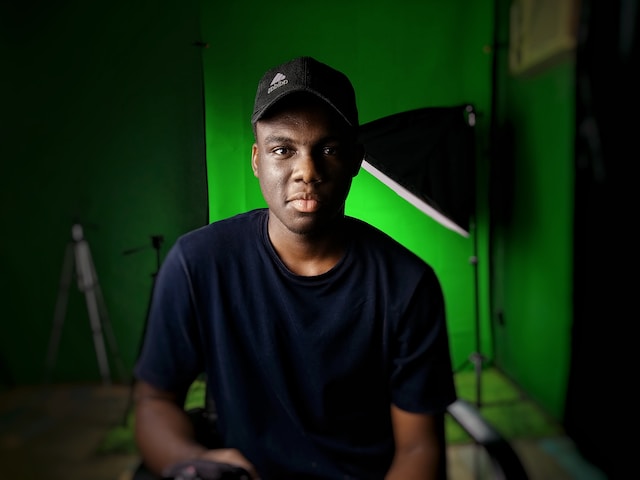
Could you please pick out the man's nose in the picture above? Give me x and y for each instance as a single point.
(308, 169)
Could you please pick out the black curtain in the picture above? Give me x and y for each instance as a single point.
(431, 153)
(599, 401)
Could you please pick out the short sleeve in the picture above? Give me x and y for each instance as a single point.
(422, 374)
(171, 356)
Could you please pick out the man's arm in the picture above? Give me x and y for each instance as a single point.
(165, 435)
(420, 452)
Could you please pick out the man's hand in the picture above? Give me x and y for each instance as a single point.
(230, 456)
(165, 434)
(205, 469)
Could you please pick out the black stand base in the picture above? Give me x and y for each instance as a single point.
(478, 361)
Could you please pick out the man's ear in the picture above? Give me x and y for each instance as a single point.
(254, 159)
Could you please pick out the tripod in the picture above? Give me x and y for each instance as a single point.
(78, 255)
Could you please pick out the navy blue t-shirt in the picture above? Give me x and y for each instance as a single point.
(302, 370)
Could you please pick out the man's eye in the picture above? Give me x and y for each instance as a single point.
(330, 151)
(280, 151)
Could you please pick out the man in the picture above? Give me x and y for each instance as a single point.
(322, 340)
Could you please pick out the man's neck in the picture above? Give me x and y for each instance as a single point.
(308, 255)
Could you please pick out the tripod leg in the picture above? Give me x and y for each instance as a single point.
(60, 311)
(87, 284)
(96, 330)
(107, 328)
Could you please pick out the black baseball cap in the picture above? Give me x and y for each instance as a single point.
(306, 74)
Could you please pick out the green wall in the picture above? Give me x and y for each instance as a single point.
(532, 225)
(102, 123)
(399, 56)
(533, 250)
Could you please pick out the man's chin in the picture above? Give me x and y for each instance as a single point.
(305, 226)
(312, 224)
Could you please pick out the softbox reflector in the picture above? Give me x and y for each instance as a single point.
(427, 156)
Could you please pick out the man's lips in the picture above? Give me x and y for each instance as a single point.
(304, 202)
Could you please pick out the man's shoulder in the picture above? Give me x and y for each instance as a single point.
(382, 245)
(239, 222)
(232, 230)
(370, 233)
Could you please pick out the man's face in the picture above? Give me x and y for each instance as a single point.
(305, 158)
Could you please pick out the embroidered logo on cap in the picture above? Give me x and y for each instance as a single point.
(278, 81)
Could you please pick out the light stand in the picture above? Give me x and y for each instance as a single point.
(156, 244)
(476, 358)
(396, 155)
(441, 181)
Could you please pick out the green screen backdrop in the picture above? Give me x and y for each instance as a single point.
(399, 56)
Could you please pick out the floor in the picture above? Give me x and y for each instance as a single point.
(55, 433)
